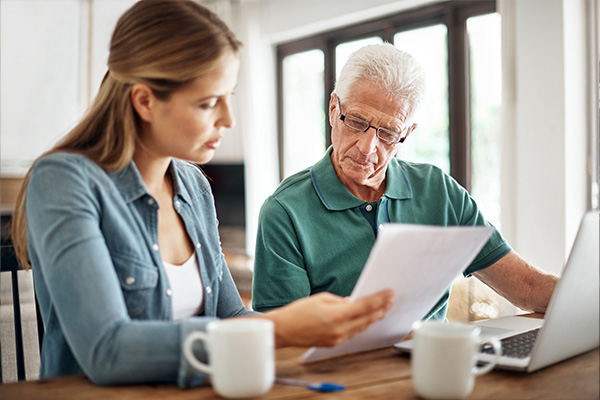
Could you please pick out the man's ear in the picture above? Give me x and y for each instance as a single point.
(143, 101)
(332, 108)
(409, 131)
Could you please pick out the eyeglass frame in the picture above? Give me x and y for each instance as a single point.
(403, 135)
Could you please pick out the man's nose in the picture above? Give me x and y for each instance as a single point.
(367, 141)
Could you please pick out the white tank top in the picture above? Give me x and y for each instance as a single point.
(186, 285)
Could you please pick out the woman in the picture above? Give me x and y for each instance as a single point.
(122, 235)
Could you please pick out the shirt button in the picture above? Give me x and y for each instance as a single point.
(369, 207)
(155, 247)
(381, 227)
(208, 289)
(169, 292)
(198, 245)
(177, 204)
(130, 280)
(150, 201)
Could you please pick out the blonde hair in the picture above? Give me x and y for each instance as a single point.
(164, 44)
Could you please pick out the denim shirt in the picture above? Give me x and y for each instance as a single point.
(103, 293)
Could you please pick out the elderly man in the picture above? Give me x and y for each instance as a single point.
(317, 229)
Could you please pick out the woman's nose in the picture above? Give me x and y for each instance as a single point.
(226, 119)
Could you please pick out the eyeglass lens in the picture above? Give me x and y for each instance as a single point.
(361, 125)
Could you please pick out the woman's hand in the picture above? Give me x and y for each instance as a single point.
(325, 319)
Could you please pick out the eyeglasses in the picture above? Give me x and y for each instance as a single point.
(358, 124)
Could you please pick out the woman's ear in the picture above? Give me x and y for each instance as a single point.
(143, 101)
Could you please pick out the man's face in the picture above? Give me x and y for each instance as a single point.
(360, 159)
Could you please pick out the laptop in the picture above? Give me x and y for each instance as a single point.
(571, 323)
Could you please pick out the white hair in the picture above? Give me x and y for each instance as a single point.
(387, 67)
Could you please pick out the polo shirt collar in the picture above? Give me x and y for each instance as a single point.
(397, 186)
(336, 197)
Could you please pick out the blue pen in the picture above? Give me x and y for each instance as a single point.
(316, 386)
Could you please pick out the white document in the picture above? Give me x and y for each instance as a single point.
(419, 262)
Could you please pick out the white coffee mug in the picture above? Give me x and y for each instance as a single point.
(241, 356)
(444, 358)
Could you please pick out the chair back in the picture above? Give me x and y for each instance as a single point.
(21, 327)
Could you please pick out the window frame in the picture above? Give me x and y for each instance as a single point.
(452, 14)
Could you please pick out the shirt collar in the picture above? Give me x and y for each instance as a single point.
(179, 188)
(131, 186)
(336, 197)
(129, 182)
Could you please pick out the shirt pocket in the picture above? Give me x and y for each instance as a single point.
(138, 284)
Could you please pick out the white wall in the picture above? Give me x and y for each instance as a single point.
(284, 20)
(545, 127)
(41, 75)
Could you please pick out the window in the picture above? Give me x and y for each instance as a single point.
(304, 110)
(430, 143)
(485, 75)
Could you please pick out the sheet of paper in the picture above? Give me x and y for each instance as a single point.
(419, 262)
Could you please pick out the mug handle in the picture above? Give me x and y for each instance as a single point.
(189, 353)
(495, 343)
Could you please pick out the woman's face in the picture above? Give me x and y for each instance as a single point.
(190, 124)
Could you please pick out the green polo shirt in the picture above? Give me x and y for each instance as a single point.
(315, 236)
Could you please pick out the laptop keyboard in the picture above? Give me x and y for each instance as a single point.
(518, 346)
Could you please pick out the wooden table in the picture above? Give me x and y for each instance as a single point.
(377, 374)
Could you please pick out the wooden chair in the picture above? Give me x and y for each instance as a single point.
(21, 327)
